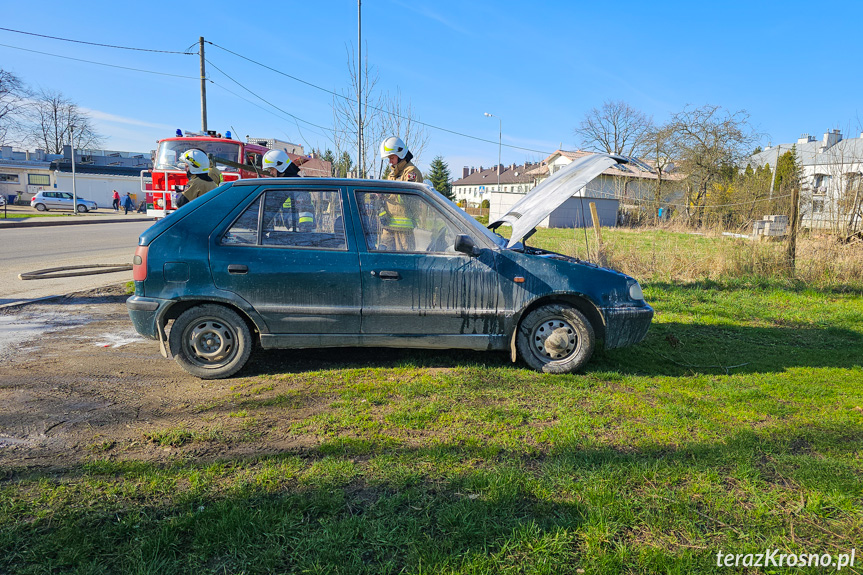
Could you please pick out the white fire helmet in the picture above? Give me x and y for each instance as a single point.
(276, 159)
(196, 160)
(393, 145)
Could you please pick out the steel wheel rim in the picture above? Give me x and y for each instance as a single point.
(210, 342)
(553, 339)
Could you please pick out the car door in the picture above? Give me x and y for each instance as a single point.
(64, 200)
(288, 254)
(413, 280)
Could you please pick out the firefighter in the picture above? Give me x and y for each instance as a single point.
(401, 168)
(299, 213)
(279, 165)
(200, 182)
(397, 224)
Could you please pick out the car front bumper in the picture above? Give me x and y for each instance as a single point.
(626, 325)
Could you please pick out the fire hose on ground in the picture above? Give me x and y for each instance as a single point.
(74, 271)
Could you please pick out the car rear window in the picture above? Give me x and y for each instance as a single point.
(291, 218)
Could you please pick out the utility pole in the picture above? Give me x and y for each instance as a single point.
(72, 154)
(203, 86)
(360, 87)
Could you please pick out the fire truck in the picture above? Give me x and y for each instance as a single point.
(234, 159)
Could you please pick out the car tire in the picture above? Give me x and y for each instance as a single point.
(555, 338)
(82, 209)
(40, 208)
(210, 341)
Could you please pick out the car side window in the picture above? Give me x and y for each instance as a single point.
(402, 222)
(292, 218)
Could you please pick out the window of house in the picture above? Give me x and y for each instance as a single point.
(817, 205)
(39, 179)
(9, 178)
(291, 218)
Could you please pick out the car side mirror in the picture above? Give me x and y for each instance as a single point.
(465, 245)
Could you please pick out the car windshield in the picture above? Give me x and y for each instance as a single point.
(498, 240)
(170, 151)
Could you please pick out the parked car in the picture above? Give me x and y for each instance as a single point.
(320, 263)
(56, 200)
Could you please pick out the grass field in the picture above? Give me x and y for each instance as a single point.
(735, 427)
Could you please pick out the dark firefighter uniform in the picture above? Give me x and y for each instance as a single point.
(199, 184)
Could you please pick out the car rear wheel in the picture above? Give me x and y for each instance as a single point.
(555, 338)
(210, 341)
(82, 209)
(41, 207)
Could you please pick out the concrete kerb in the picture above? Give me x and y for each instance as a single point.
(70, 220)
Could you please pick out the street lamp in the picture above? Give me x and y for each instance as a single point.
(499, 139)
(72, 153)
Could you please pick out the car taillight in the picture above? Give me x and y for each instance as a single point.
(139, 264)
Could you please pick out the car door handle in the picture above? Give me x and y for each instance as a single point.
(238, 269)
(389, 275)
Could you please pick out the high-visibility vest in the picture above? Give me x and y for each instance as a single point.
(302, 217)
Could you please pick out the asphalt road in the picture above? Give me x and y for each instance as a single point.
(36, 248)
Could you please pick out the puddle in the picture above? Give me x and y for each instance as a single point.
(17, 329)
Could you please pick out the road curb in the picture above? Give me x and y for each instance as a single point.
(40, 222)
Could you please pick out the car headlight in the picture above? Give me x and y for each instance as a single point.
(635, 291)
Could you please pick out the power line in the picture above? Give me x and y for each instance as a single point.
(267, 101)
(187, 53)
(267, 110)
(101, 63)
(336, 94)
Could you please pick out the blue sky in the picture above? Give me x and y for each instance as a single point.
(540, 66)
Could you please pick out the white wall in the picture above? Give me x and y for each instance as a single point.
(99, 187)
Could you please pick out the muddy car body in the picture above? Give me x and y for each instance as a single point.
(374, 264)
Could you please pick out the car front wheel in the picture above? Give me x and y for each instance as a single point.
(210, 341)
(82, 209)
(40, 207)
(555, 338)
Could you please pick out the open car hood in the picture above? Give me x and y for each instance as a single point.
(526, 214)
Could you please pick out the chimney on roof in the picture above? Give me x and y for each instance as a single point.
(831, 139)
(805, 139)
(499, 168)
(465, 172)
(480, 169)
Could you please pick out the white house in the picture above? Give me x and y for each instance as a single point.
(832, 179)
(621, 186)
(477, 185)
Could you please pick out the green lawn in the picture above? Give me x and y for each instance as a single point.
(736, 426)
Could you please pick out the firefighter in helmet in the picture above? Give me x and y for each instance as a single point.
(298, 210)
(401, 168)
(197, 168)
(279, 165)
(397, 222)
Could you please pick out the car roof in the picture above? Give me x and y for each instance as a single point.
(332, 182)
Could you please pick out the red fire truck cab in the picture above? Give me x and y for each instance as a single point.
(169, 177)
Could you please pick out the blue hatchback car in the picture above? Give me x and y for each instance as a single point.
(321, 263)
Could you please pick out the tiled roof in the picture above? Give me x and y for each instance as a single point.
(519, 175)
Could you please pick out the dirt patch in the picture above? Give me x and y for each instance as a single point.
(77, 382)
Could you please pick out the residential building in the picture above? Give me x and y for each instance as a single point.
(621, 187)
(276, 144)
(831, 169)
(97, 173)
(477, 185)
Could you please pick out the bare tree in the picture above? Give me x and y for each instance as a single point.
(616, 128)
(710, 142)
(346, 120)
(13, 101)
(659, 148)
(398, 119)
(382, 115)
(52, 117)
